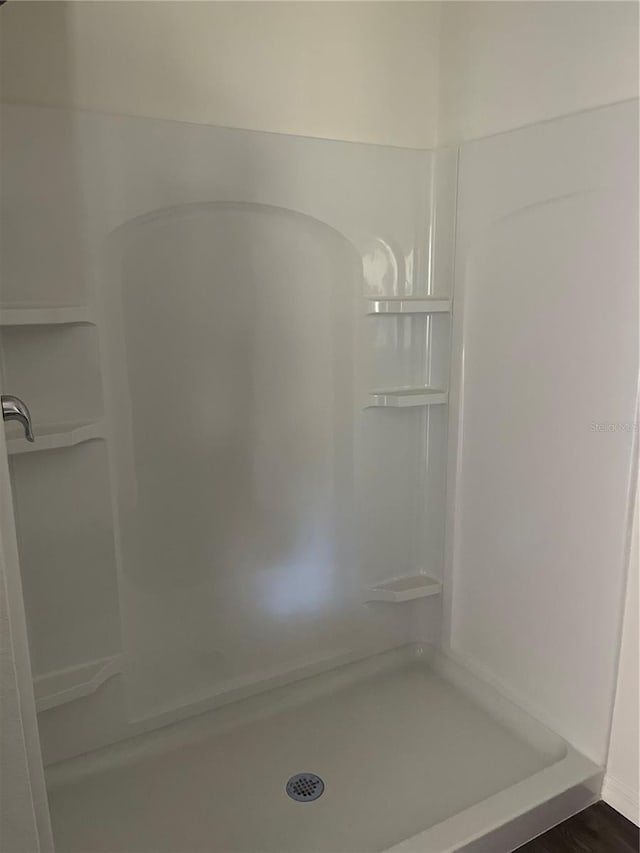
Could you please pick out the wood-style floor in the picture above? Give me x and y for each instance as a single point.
(598, 829)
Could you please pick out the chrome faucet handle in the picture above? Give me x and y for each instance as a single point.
(13, 409)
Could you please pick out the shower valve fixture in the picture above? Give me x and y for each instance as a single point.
(13, 409)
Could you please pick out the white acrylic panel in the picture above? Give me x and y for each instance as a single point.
(235, 467)
(546, 346)
(255, 499)
(67, 559)
(55, 369)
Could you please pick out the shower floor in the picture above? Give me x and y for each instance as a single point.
(399, 744)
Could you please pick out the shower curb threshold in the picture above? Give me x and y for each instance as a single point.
(514, 816)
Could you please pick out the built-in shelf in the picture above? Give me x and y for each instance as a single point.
(408, 305)
(408, 588)
(44, 315)
(52, 436)
(408, 396)
(65, 685)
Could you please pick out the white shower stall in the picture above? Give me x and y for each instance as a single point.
(333, 469)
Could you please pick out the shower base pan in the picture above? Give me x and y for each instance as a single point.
(415, 754)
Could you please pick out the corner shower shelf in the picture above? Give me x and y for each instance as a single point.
(65, 685)
(45, 315)
(408, 396)
(53, 436)
(408, 588)
(408, 305)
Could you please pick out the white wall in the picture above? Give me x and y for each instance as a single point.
(505, 65)
(367, 72)
(354, 71)
(621, 782)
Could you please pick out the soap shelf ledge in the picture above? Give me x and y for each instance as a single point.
(66, 685)
(54, 436)
(408, 305)
(407, 397)
(405, 588)
(45, 315)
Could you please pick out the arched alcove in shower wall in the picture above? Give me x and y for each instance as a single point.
(233, 411)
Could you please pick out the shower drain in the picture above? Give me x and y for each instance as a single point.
(305, 787)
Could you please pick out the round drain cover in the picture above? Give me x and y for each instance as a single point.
(305, 787)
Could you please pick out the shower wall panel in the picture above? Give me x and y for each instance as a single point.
(543, 413)
(256, 494)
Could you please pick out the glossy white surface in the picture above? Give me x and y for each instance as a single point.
(402, 398)
(434, 745)
(546, 313)
(24, 812)
(53, 436)
(34, 315)
(73, 184)
(242, 512)
(57, 369)
(243, 497)
(410, 305)
(67, 555)
(399, 590)
(235, 448)
(58, 688)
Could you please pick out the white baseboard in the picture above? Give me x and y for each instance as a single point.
(622, 798)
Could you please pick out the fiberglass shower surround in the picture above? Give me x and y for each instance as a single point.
(272, 345)
(279, 432)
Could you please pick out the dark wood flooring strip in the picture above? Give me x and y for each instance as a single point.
(598, 829)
